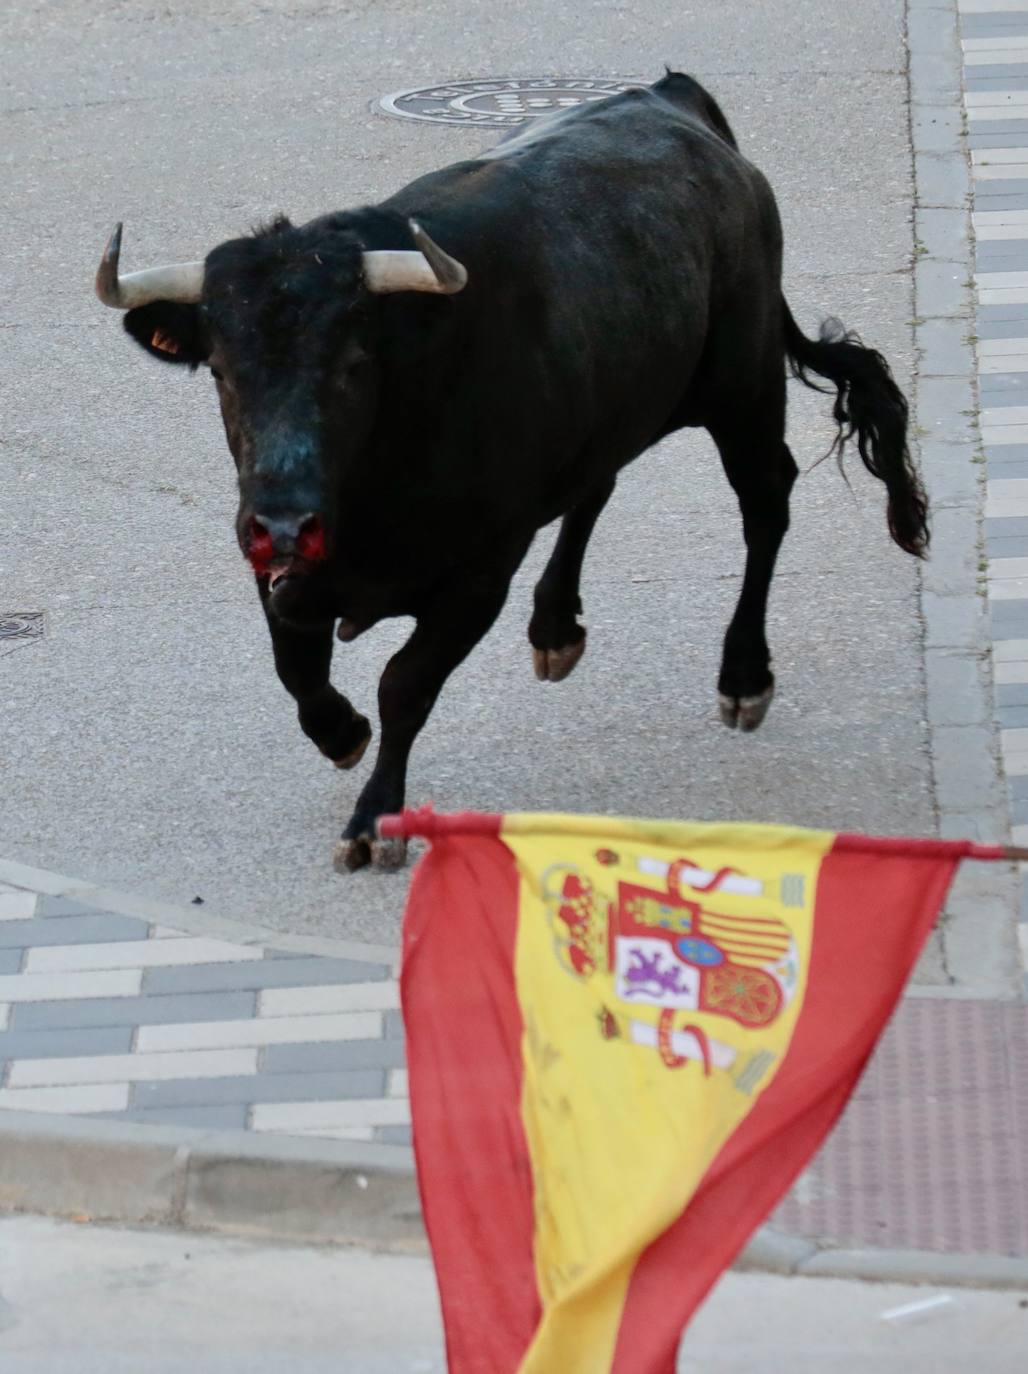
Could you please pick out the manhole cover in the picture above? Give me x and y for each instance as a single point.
(499, 101)
(21, 625)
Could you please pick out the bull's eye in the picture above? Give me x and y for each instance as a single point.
(218, 377)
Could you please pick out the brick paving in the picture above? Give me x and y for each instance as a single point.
(108, 1015)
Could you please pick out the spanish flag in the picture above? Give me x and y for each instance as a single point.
(625, 1040)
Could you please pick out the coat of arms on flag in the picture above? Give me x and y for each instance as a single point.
(625, 1039)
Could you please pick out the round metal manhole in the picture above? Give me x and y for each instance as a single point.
(500, 101)
(16, 625)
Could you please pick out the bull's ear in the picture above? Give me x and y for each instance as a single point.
(170, 331)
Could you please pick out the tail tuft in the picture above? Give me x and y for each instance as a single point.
(870, 408)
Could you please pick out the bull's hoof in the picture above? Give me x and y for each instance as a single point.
(745, 713)
(352, 759)
(554, 665)
(387, 855)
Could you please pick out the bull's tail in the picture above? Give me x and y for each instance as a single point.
(869, 407)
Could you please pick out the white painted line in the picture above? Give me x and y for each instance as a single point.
(1008, 589)
(989, 280)
(106, 1097)
(132, 1068)
(995, 232)
(139, 954)
(1005, 434)
(999, 43)
(274, 1030)
(18, 906)
(1010, 673)
(1003, 172)
(1008, 567)
(399, 1084)
(998, 348)
(1006, 508)
(362, 1133)
(993, 157)
(1014, 741)
(1007, 415)
(5, 1015)
(997, 112)
(67, 987)
(985, 218)
(989, 57)
(1007, 488)
(977, 100)
(992, 6)
(1005, 362)
(1010, 651)
(1015, 765)
(1003, 296)
(307, 1116)
(313, 1001)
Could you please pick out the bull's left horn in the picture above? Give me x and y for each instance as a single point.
(181, 281)
(429, 269)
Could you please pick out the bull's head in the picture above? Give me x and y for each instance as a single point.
(281, 320)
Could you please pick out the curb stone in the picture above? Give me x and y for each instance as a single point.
(333, 1193)
(979, 945)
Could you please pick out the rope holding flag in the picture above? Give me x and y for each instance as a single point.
(625, 1040)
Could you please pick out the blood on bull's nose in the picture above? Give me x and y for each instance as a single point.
(284, 536)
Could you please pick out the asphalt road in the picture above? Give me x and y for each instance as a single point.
(146, 743)
(88, 1300)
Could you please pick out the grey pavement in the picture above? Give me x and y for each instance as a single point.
(88, 1300)
(146, 743)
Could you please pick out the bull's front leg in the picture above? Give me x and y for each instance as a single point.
(303, 656)
(443, 637)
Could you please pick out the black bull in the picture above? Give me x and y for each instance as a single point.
(609, 276)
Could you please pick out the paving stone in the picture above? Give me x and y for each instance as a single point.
(1000, 329)
(936, 128)
(979, 138)
(946, 408)
(132, 1068)
(67, 987)
(956, 693)
(261, 1087)
(310, 1116)
(394, 1025)
(65, 1044)
(942, 232)
(263, 973)
(1006, 527)
(1018, 788)
(97, 928)
(137, 954)
(1003, 388)
(1001, 314)
(965, 769)
(74, 1101)
(259, 1031)
(323, 1058)
(134, 1011)
(18, 906)
(10, 959)
(1009, 619)
(1012, 717)
(1012, 694)
(1005, 472)
(942, 179)
(941, 288)
(996, 76)
(227, 1116)
(1019, 811)
(951, 622)
(394, 1135)
(944, 346)
(66, 906)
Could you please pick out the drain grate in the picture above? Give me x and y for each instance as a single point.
(500, 101)
(21, 625)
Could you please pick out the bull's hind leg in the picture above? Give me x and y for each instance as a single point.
(303, 656)
(761, 470)
(557, 639)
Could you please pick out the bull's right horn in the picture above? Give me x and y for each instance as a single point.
(182, 282)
